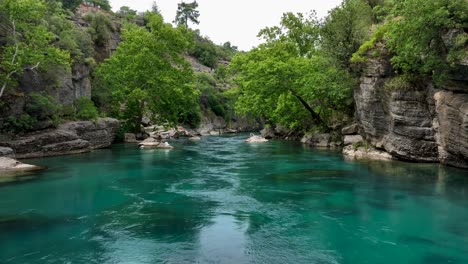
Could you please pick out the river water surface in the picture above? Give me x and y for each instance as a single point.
(220, 200)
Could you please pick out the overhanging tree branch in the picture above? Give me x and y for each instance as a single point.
(316, 117)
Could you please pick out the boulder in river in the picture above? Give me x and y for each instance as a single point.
(359, 153)
(151, 143)
(12, 165)
(256, 139)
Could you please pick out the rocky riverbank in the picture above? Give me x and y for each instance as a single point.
(69, 138)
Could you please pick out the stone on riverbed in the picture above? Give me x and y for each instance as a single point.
(353, 153)
(12, 165)
(256, 139)
(152, 143)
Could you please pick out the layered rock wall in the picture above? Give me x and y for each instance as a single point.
(69, 138)
(423, 123)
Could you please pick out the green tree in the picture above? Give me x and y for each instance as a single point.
(288, 81)
(417, 36)
(187, 12)
(303, 32)
(28, 41)
(148, 74)
(127, 13)
(345, 29)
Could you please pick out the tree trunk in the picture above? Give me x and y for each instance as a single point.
(316, 117)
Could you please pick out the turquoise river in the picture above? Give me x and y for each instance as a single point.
(221, 200)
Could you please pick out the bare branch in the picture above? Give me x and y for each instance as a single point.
(33, 68)
(15, 40)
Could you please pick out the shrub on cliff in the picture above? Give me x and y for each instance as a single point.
(85, 109)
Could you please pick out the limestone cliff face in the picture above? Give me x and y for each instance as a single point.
(452, 112)
(423, 124)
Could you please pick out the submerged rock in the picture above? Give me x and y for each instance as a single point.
(256, 139)
(151, 143)
(352, 153)
(12, 165)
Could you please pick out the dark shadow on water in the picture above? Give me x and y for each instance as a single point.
(30, 222)
(435, 258)
(409, 240)
(179, 216)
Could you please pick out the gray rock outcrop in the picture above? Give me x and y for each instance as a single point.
(69, 138)
(9, 165)
(422, 123)
(452, 112)
(7, 152)
(362, 153)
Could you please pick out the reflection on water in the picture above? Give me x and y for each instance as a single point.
(221, 200)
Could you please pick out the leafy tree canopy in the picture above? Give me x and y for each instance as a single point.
(152, 76)
(287, 80)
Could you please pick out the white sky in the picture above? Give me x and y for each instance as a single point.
(237, 21)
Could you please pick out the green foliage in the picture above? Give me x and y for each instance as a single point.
(100, 28)
(127, 13)
(405, 82)
(416, 35)
(85, 109)
(43, 107)
(210, 98)
(289, 80)
(208, 53)
(75, 40)
(153, 77)
(23, 123)
(362, 54)
(303, 33)
(187, 12)
(345, 29)
(221, 73)
(204, 50)
(28, 40)
(362, 144)
(286, 88)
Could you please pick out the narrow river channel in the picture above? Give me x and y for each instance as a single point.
(221, 200)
